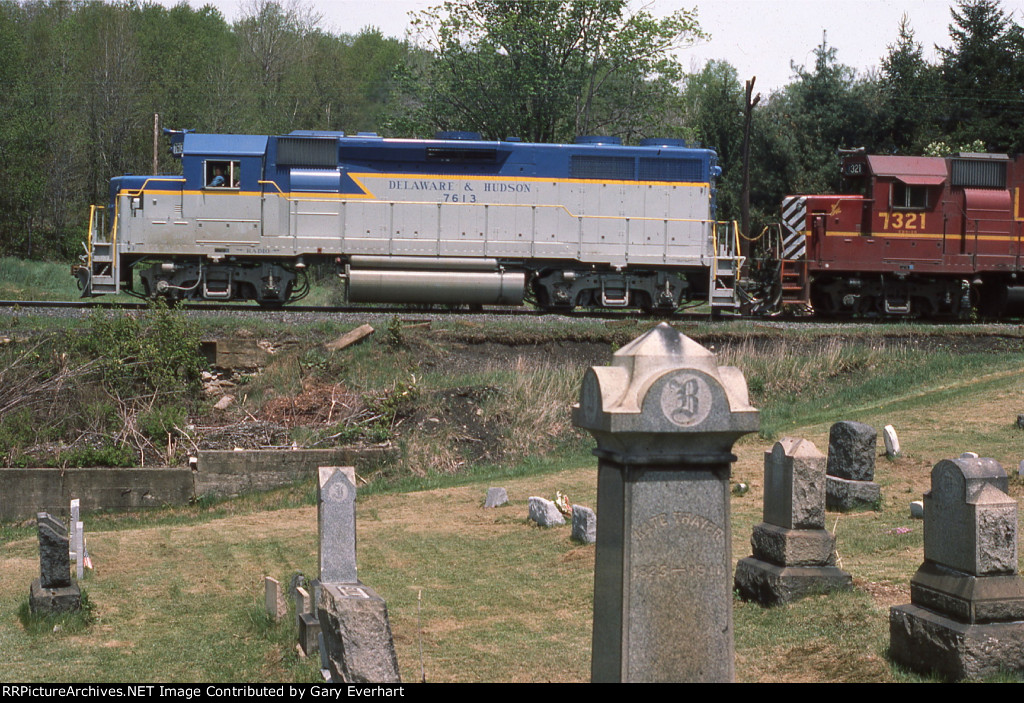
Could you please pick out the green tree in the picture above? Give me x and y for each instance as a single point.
(911, 93)
(983, 76)
(713, 104)
(544, 70)
(275, 41)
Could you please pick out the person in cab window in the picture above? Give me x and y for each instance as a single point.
(218, 178)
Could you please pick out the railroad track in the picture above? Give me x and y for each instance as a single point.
(342, 309)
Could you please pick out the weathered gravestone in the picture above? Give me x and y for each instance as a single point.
(584, 524)
(966, 615)
(496, 497)
(851, 467)
(356, 633)
(544, 512)
(665, 417)
(308, 624)
(794, 555)
(273, 599)
(54, 591)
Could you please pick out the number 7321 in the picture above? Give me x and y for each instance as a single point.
(903, 220)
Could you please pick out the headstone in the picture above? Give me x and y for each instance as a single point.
(892, 442)
(917, 509)
(355, 634)
(336, 499)
(496, 497)
(851, 467)
(53, 592)
(794, 555)
(303, 603)
(54, 555)
(970, 455)
(1020, 421)
(309, 633)
(273, 599)
(966, 615)
(665, 417)
(75, 518)
(584, 524)
(544, 512)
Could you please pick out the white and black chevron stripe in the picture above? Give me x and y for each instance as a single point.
(794, 224)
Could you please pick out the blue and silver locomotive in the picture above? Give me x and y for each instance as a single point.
(453, 220)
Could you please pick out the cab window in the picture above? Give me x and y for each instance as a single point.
(909, 197)
(222, 174)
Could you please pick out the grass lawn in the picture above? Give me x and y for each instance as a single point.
(486, 595)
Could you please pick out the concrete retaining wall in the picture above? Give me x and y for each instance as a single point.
(24, 492)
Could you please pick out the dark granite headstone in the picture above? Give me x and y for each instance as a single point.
(53, 591)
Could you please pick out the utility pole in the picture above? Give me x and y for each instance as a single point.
(156, 143)
(745, 199)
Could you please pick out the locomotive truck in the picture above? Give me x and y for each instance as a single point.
(453, 220)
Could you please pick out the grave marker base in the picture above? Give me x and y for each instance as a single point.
(770, 584)
(51, 601)
(926, 641)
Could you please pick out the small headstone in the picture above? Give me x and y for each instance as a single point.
(544, 512)
(1020, 421)
(851, 467)
(53, 592)
(917, 509)
(496, 497)
(966, 615)
(969, 455)
(273, 599)
(584, 524)
(851, 451)
(309, 633)
(1020, 468)
(794, 555)
(892, 442)
(336, 499)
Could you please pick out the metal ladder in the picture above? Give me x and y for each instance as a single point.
(101, 255)
(724, 270)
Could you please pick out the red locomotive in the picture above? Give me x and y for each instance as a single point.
(911, 236)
